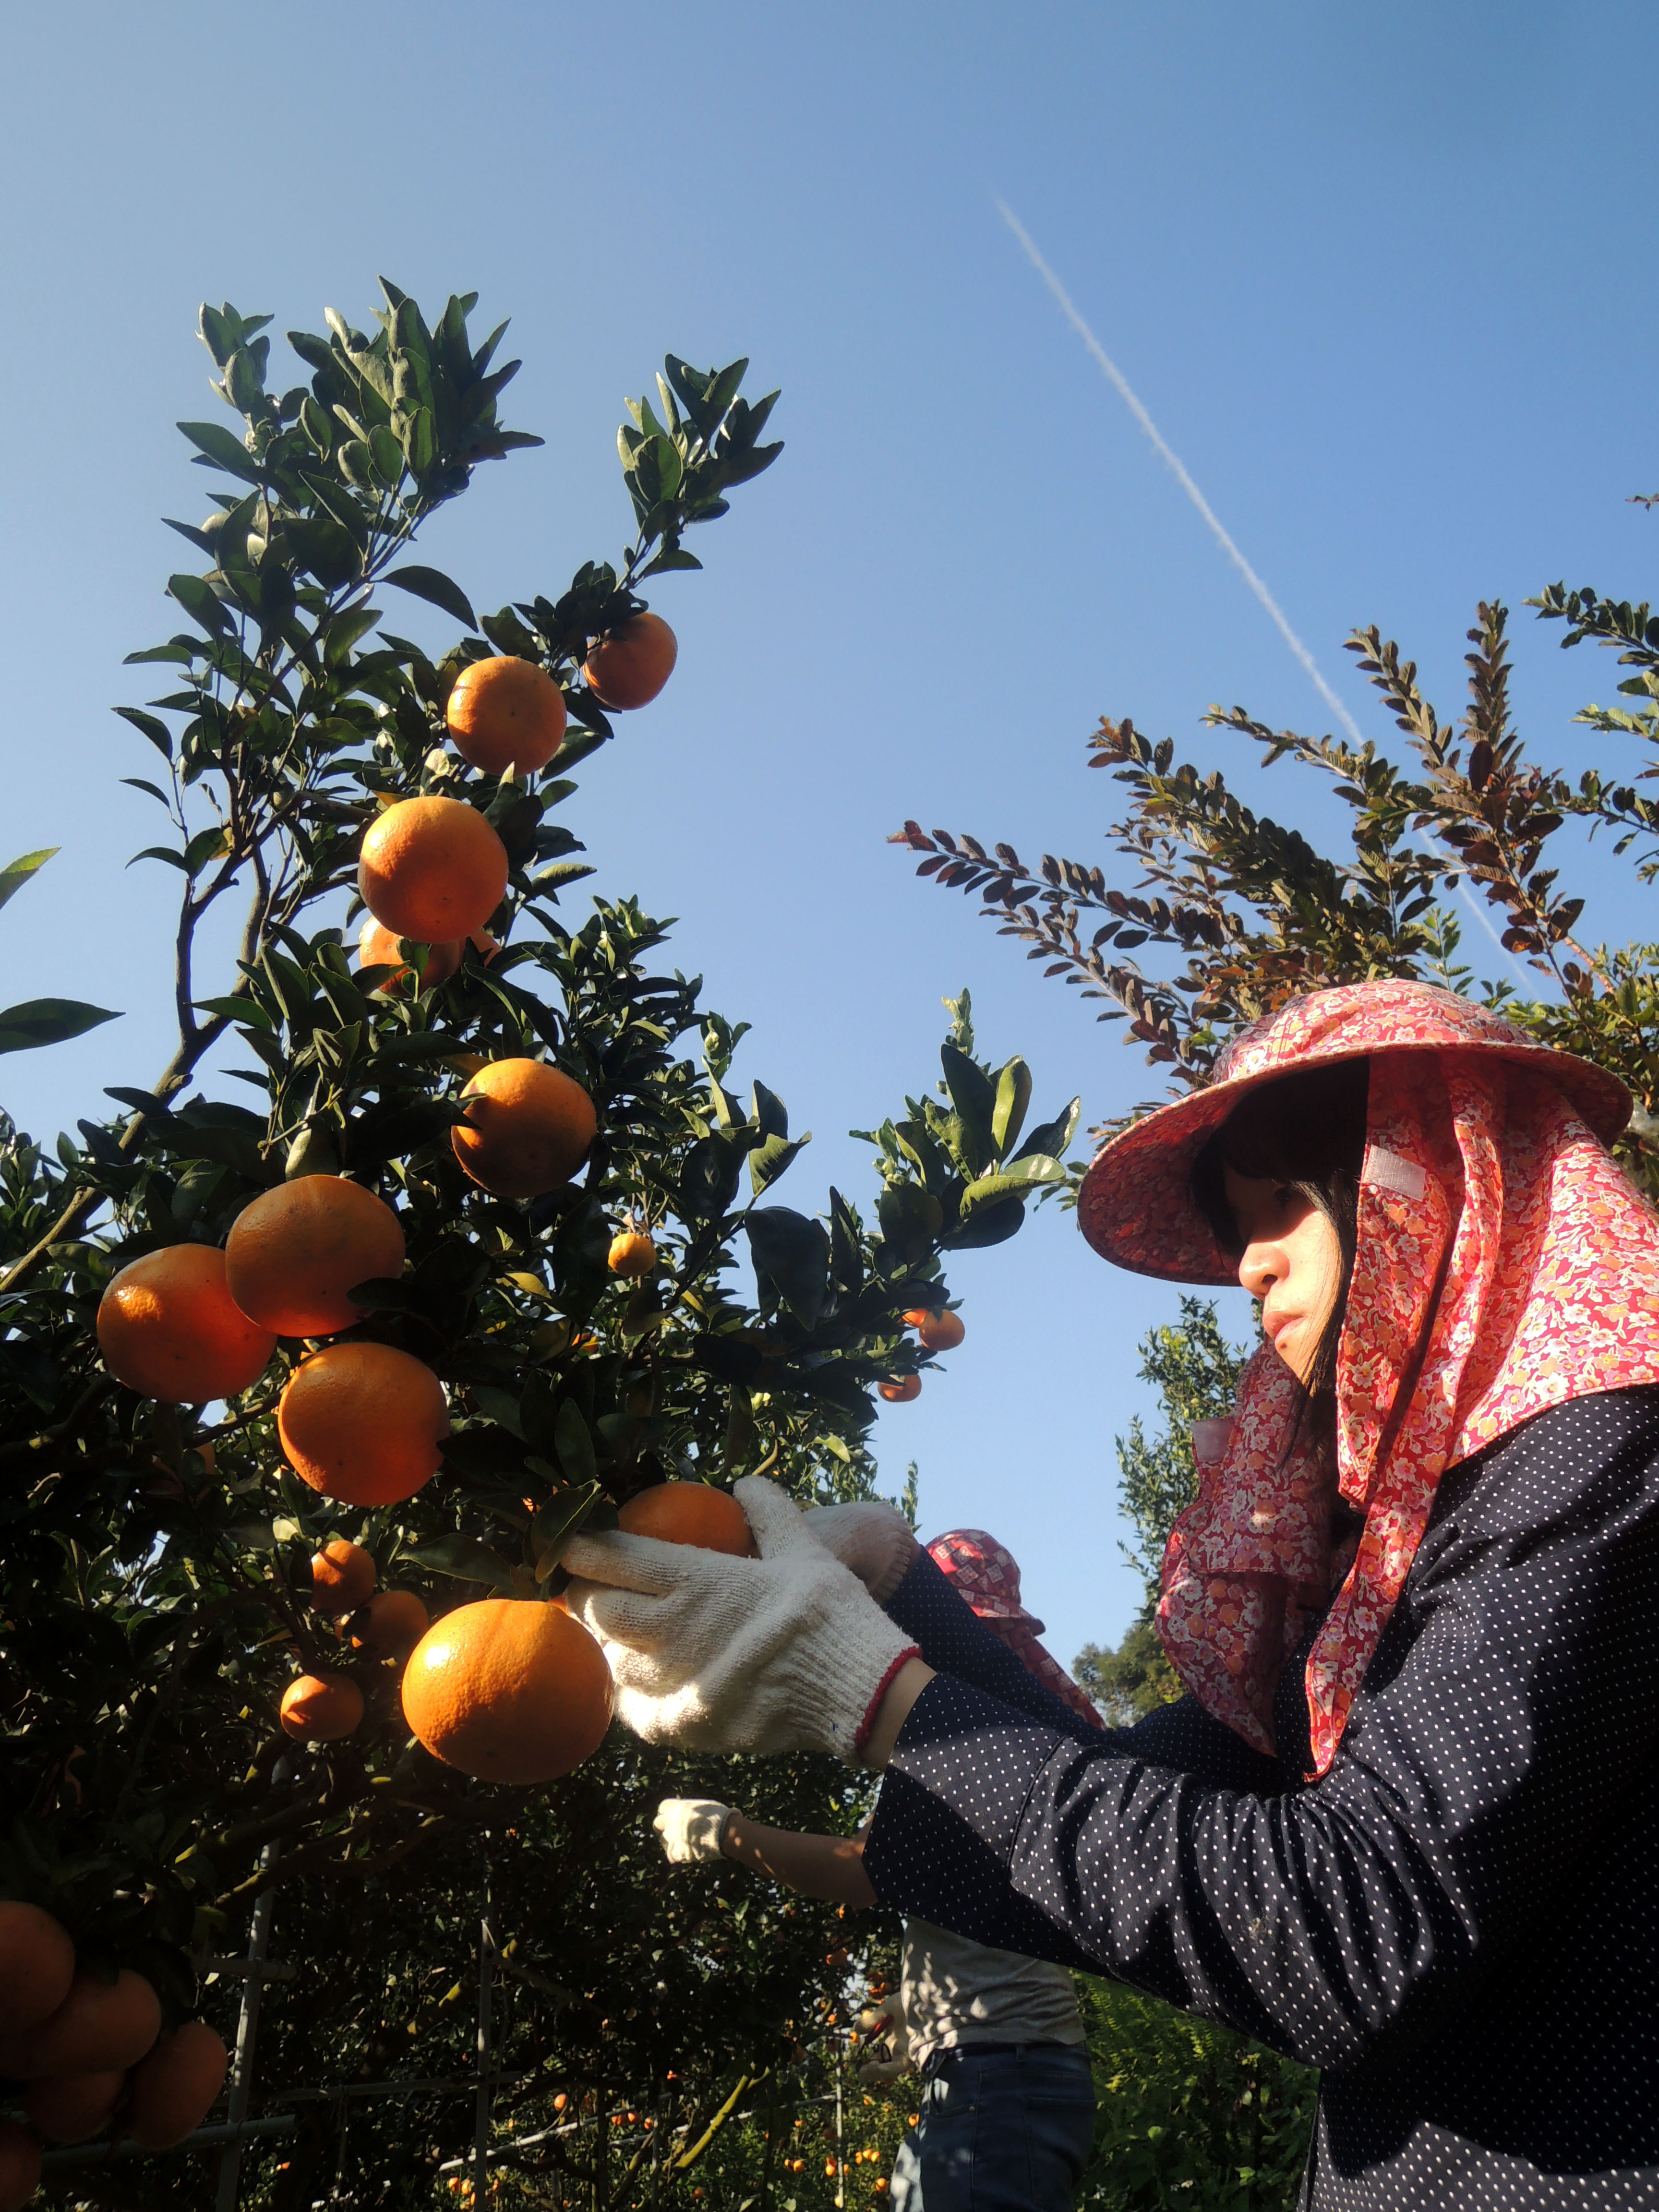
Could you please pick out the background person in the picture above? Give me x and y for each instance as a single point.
(1403, 1830)
(1007, 2106)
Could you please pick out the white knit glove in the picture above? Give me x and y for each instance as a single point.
(691, 1829)
(875, 1541)
(784, 1652)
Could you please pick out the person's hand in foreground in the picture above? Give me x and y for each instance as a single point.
(784, 1652)
(695, 1829)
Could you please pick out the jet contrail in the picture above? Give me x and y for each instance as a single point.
(1173, 461)
(1160, 445)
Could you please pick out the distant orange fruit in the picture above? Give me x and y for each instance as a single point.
(294, 1253)
(100, 2027)
(690, 1513)
(169, 1327)
(37, 1964)
(342, 1577)
(900, 1389)
(508, 1690)
(377, 947)
(20, 2167)
(937, 1332)
(362, 1423)
(72, 2108)
(321, 1708)
(527, 1129)
(174, 2088)
(432, 870)
(506, 715)
(632, 1253)
(630, 665)
(396, 1621)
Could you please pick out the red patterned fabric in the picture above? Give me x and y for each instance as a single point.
(985, 1573)
(1480, 1181)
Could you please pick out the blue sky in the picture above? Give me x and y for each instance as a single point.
(1376, 271)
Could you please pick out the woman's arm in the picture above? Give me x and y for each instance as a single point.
(830, 1867)
(1511, 1704)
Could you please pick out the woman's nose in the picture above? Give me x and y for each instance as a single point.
(1262, 1265)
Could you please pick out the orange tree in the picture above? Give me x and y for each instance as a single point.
(156, 1557)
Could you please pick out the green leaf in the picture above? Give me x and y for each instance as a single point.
(224, 450)
(771, 1115)
(16, 873)
(1013, 1097)
(1015, 1181)
(708, 1180)
(1052, 1138)
(160, 852)
(792, 1259)
(974, 1100)
(574, 1441)
(200, 604)
(468, 1560)
(47, 1021)
(324, 549)
(157, 731)
(421, 441)
(433, 585)
(768, 1160)
(994, 1225)
(387, 455)
(206, 845)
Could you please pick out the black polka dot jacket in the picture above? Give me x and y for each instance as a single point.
(1460, 1924)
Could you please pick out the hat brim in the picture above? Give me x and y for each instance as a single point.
(1136, 1206)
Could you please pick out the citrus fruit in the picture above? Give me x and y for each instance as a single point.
(100, 2027)
(937, 1332)
(506, 715)
(527, 1129)
(378, 947)
(630, 665)
(342, 1577)
(432, 870)
(396, 1621)
(37, 1964)
(321, 1708)
(632, 1253)
(169, 1327)
(294, 1252)
(362, 1422)
(20, 2167)
(900, 1389)
(173, 2089)
(508, 1690)
(689, 1513)
(72, 2108)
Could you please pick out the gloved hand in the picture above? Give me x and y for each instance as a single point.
(691, 1829)
(872, 1539)
(784, 1652)
(876, 2071)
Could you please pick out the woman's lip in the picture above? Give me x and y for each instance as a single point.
(1276, 1323)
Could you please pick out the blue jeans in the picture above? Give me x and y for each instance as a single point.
(1007, 2133)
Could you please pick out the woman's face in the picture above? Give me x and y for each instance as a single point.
(1292, 1262)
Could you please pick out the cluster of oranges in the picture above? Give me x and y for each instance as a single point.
(88, 2050)
(937, 1329)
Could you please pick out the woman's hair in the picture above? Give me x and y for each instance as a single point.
(1306, 1132)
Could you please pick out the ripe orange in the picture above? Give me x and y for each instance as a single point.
(432, 870)
(632, 1253)
(939, 1331)
(690, 1513)
(169, 1327)
(174, 2090)
(508, 1690)
(342, 1577)
(72, 2108)
(321, 1708)
(294, 1252)
(20, 2167)
(506, 715)
(99, 2028)
(527, 1130)
(377, 947)
(362, 1423)
(630, 665)
(396, 1621)
(901, 1389)
(37, 1964)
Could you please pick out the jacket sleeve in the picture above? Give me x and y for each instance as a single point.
(1510, 1702)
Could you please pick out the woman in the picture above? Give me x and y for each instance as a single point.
(1008, 2103)
(1403, 1830)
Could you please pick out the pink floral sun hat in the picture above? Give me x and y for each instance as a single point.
(1136, 1206)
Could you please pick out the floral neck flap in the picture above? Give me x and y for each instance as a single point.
(1493, 1221)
